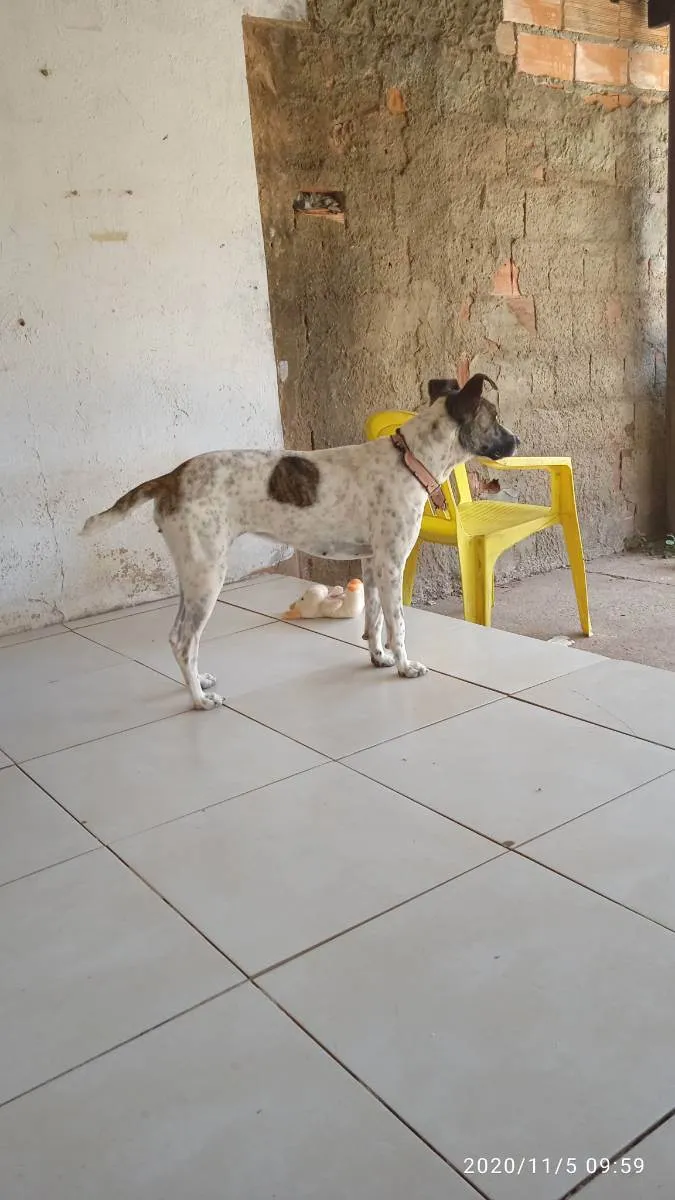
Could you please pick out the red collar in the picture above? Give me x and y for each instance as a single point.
(428, 481)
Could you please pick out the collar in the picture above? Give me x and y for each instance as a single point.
(418, 470)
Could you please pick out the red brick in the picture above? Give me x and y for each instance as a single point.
(545, 56)
(633, 25)
(505, 282)
(547, 13)
(610, 101)
(649, 70)
(395, 102)
(599, 63)
(597, 17)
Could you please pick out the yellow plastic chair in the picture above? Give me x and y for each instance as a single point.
(482, 529)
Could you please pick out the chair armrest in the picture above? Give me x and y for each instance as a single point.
(524, 464)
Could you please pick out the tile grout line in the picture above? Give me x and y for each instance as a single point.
(216, 803)
(519, 696)
(636, 1141)
(487, 836)
(127, 866)
(596, 808)
(593, 890)
(371, 745)
(638, 737)
(135, 1037)
(379, 1099)
(60, 862)
(334, 937)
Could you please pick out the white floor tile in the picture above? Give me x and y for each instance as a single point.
(231, 1100)
(645, 1172)
(625, 849)
(492, 658)
(509, 1012)
(30, 635)
(91, 956)
(117, 613)
(512, 771)
(274, 872)
(4, 761)
(31, 665)
(52, 716)
(270, 596)
(270, 654)
(347, 707)
(145, 637)
(129, 782)
(34, 831)
(621, 695)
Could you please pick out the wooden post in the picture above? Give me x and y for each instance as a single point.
(670, 293)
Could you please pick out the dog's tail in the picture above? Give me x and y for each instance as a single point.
(138, 495)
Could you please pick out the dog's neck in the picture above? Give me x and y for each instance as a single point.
(433, 437)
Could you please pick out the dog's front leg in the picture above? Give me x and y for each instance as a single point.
(374, 619)
(390, 582)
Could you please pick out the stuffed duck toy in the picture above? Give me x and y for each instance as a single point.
(320, 601)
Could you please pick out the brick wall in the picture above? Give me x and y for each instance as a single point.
(589, 42)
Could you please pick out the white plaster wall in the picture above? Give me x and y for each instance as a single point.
(134, 323)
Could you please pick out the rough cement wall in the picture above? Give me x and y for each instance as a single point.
(454, 167)
(134, 323)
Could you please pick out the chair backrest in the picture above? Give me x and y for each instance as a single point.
(456, 490)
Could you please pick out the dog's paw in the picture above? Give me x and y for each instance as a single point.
(412, 670)
(382, 658)
(211, 700)
(207, 681)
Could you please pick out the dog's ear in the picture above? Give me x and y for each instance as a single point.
(463, 405)
(442, 387)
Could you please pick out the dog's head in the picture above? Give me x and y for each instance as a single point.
(481, 432)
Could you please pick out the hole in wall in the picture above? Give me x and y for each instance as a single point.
(330, 205)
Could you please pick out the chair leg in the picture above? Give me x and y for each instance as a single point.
(477, 571)
(409, 573)
(575, 553)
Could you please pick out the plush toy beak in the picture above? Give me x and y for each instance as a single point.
(290, 615)
(354, 585)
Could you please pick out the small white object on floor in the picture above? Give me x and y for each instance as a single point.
(320, 601)
(562, 640)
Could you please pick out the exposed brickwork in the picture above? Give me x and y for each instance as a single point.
(539, 55)
(597, 62)
(601, 37)
(649, 70)
(594, 17)
(547, 13)
(633, 25)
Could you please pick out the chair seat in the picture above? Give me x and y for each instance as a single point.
(483, 517)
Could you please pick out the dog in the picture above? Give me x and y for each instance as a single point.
(363, 501)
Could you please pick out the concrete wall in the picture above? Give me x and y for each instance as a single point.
(134, 324)
(518, 221)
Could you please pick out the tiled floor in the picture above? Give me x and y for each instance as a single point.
(349, 937)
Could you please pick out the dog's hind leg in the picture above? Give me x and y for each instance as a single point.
(389, 579)
(374, 619)
(176, 638)
(199, 594)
